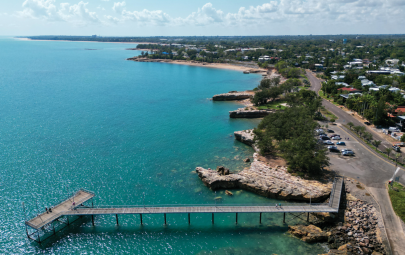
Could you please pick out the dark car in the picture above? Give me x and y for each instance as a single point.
(325, 138)
(396, 148)
(367, 123)
(331, 131)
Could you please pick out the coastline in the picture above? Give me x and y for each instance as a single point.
(202, 64)
(29, 39)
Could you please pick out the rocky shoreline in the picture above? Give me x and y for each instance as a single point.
(231, 96)
(268, 181)
(249, 112)
(357, 233)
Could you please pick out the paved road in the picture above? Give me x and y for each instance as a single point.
(368, 168)
(345, 118)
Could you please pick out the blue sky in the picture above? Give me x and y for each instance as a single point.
(201, 17)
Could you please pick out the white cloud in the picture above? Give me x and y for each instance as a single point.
(46, 9)
(297, 15)
(145, 16)
(119, 7)
(206, 15)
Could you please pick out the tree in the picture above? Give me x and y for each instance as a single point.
(376, 143)
(332, 120)
(357, 129)
(397, 156)
(350, 124)
(267, 83)
(367, 136)
(403, 138)
(362, 130)
(388, 150)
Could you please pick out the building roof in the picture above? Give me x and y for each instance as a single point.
(350, 89)
(400, 109)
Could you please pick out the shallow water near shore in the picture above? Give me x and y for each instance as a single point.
(133, 133)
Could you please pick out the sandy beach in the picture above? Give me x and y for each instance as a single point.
(228, 66)
(29, 39)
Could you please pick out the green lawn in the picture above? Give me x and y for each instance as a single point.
(397, 195)
(274, 105)
(327, 113)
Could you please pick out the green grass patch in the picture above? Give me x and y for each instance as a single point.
(330, 99)
(275, 106)
(397, 196)
(327, 113)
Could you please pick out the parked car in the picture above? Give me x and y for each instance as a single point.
(320, 131)
(331, 131)
(333, 148)
(348, 153)
(334, 135)
(396, 148)
(322, 135)
(345, 150)
(367, 123)
(336, 138)
(340, 143)
(328, 142)
(325, 138)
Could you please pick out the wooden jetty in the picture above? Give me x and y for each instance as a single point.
(75, 206)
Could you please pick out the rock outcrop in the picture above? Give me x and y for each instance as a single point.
(230, 96)
(245, 136)
(249, 113)
(266, 181)
(309, 234)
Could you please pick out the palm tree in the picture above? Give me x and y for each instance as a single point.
(397, 156)
(388, 150)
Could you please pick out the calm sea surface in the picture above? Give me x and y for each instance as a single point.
(133, 133)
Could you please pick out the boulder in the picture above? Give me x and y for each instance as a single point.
(245, 136)
(309, 233)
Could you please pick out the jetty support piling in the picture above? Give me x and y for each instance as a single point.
(165, 218)
(236, 218)
(213, 218)
(260, 219)
(188, 218)
(141, 219)
(284, 218)
(92, 219)
(116, 216)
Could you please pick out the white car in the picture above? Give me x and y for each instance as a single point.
(347, 150)
(347, 153)
(336, 138)
(328, 142)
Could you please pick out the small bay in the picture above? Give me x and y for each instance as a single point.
(133, 133)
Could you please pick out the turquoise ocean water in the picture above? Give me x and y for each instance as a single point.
(131, 132)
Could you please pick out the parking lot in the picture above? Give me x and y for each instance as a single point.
(364, 165)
